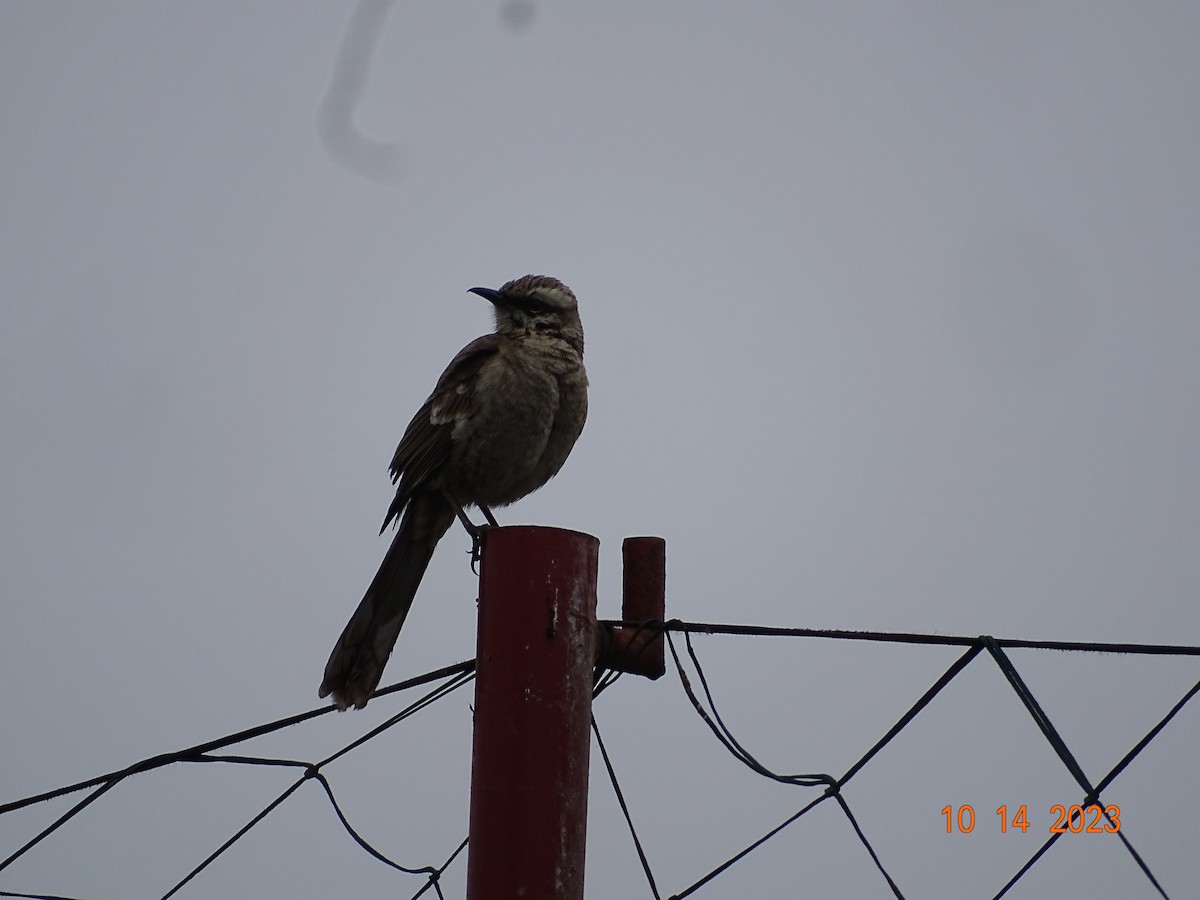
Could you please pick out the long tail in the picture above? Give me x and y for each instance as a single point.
(358, 658)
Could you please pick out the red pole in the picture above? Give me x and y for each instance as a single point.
(533, 698)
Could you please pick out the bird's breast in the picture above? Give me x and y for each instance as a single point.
(521, 428)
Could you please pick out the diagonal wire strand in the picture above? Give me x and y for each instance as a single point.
(867, 844)
(612, 775)
(437, 693)
(925, 699)
(165, 759)
(1104, 783)
(62, 820)
(1021, 689)
(741, 854)
(834, 785)
(1055, 739)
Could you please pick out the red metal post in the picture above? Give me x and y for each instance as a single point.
(533, 696)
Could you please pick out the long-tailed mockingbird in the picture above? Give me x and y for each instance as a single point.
(499, 425)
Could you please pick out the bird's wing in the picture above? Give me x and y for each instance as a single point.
(426, 442)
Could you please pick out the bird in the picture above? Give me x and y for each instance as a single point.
(500, 423)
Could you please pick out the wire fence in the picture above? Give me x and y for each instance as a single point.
(695, 686)
(450, 679)
(832, 786)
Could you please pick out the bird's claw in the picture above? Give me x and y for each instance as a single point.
(476, 532)
(477, 546)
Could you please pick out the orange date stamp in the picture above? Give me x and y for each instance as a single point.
(1094, 819)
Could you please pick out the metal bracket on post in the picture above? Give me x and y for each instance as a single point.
(637, 645)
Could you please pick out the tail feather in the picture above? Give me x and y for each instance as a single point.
(358, 658)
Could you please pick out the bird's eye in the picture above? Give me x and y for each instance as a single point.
(542, 326)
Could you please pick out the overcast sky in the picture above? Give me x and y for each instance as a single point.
(892, 324)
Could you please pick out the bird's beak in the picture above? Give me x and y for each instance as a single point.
(490, 294)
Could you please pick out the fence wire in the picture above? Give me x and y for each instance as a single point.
(694, 683)
(707, 711)
(451, 678)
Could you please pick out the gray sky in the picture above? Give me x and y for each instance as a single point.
(892, 322)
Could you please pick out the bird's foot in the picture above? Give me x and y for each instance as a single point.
(477, 546)
(475, 531)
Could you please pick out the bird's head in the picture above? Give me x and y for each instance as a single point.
(536, 304)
